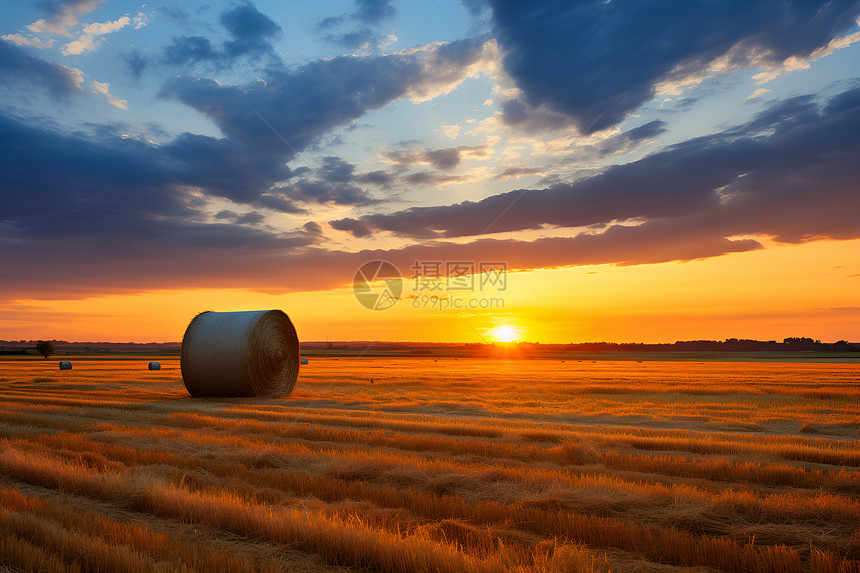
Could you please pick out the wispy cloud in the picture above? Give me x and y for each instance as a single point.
(33, 42)
(794, 63)
(104, 90)
(89, 39)
(141, 20)
(63, 14)
(758, 93)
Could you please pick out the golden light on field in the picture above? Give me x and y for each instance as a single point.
(380, 477)
(505, 334)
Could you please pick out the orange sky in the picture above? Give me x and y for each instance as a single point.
(806, 290)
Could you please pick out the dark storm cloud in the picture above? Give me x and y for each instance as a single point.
(356, 39)
(105, 212)
(331, 22)
(107, 188)
(513, 172)
(250, 31)
(530, 120)
(223, 167)
(312, 228)
(87, 210)
(373, 11)
(645, 131)
(190, 50)
(334, 182)
(431, 178)
(83, 216)
(354, 226)
(268, 122)
(444, 159)
(250, 218)
(617, 245)
(379, 178)
(325, 192)
(277, 201)
(136, 62)
(596, 61)
(368, 14)
(789, 173)
(17, 66)
(113, 214)
(246, 24)
(86, 216)
(70, 173)
(293, 108)
(628, 139)
(336, 170)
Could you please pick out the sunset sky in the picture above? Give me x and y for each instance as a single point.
(622, 170)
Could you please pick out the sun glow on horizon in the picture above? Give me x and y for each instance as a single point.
(505, 334)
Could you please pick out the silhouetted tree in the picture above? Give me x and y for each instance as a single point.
(45, 348)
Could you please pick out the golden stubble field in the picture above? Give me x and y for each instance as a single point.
(406, 465)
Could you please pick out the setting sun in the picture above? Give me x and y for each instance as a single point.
(505, 334)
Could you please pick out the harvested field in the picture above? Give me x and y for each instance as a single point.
(448, 465)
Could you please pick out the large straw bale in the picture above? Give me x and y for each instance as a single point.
(233, 354)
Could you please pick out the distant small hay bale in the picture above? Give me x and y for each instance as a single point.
(65, 365)
(304, 360)
(240, 354)
(154, 366)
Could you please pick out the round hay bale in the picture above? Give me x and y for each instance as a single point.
(236, 354)
(304, 360)
(154, 366)
(65, 365)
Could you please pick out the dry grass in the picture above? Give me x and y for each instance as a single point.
(468, 465)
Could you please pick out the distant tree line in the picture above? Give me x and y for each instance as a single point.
(728, 345)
